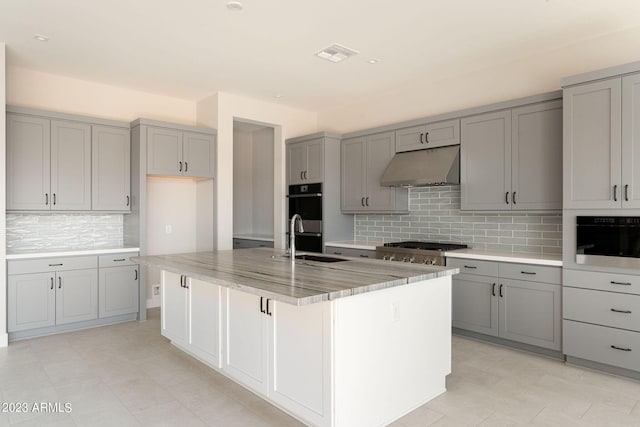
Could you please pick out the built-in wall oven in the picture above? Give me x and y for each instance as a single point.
(306, 201)
(608, 241)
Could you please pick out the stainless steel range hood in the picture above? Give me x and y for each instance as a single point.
(423, 168)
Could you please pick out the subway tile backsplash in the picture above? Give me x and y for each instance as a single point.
(53, 231)
(435, 215)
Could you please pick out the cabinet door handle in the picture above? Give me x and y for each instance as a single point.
(506, 197)
(116, 260)
(364, 256)
(528, 272)
(186, 166)
(426, 137)
(301, 173)
(46, 199)
(493, 289)
(615, 193)
(366, 201)
(136, 271)
(54, 199)
(621, 283)
(421, 138)
(501, 291)
(337, 253)
(262, 305)
(186, 284)
(513, 197)
(127, 200)
(620, 348)
(59, 282)
(305, 175)
(470, 266)
(362, 201)
(626, 192)
(621, 311)
(55, 265)
(180, 166)
(268, 312)
(52, 283)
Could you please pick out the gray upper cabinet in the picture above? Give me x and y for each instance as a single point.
(305, 161)
(592, 145)
(28, 162)
(363, 161)
(631, 141)
(172, 152)
(512, 159)
(111, 169)
(485, 162)
(431, 135)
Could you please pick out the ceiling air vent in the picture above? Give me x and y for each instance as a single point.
(336, 53)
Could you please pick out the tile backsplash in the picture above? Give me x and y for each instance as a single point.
(52, 231)
(435, 215)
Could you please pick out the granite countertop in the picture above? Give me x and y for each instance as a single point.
(355, 244)
(523, 258)
(46, 253)
(256, 271)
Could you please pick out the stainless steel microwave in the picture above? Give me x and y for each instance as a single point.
(608, 241)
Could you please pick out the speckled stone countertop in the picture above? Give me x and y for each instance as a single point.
(256, 271)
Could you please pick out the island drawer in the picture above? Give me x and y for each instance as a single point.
(472, 266)
(116, 260)
(602, 344)
(612, 282)
(602, 308)
(43, 265)
(356, 253)
(535, 273)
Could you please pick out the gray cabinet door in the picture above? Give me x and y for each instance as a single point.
(28, 163)
(431, 135)
(31, 301)
(198, 154)
(353, 169)
(380, 150)
(485, 162)
(70, 165)
(529, 312)
(118, 291)
(164, 152)
(536, 153)
(475, 304)
(592, 145)
(631, 141)
(110, 169)
(76, 296)
(314, 171)
(296, 162)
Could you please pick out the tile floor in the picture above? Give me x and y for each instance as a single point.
(129, 375)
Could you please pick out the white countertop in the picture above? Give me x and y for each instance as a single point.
(355, 244)
(43, 253)
(523, 258)
(259, 237)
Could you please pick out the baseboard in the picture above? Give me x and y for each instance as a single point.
(153, 302)
(4, 340)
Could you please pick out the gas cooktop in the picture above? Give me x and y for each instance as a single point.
(430, 246)
(416, 252)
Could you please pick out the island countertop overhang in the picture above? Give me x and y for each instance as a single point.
(263, 272)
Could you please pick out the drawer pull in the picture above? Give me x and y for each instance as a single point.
(620, 348)
(528, 272)
(55, 265)
(621, 311)
(337, 253)
(119, 260)
(621, 283)
(364, 256)
(470, 266)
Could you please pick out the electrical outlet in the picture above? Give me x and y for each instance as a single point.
(168, 229)
(156, 289)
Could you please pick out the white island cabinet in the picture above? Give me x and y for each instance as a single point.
(354, 343)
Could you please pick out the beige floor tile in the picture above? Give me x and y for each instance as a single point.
(168, 415)
(30, 375)
(140, 394)
(549, 417)
(116, 416)
(90, 395)
(422, 416)
(32, 397)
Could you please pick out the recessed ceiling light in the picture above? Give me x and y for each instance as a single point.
(41, 37)
(336, 53)
(373, 61)
(234, 5)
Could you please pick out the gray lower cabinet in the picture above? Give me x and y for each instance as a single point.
(502, 154)
(118, 291)
(601, 314)
(174, 152)
(250, 243)
(602, 144)
(110, 169)
(430, 135)
(76, 296)
(305, 161)
(363, 161)
(518, 302)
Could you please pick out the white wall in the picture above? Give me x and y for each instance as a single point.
(537, 73)
(242, 182)
(219, 111)
(3, 245)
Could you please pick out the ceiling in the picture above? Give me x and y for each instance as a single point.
(191, 49)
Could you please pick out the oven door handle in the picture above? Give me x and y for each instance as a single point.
(298, 196)
(311, 234)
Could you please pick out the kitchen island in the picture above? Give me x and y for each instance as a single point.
(356, 342)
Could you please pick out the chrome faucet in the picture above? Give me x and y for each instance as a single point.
(292, 235)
